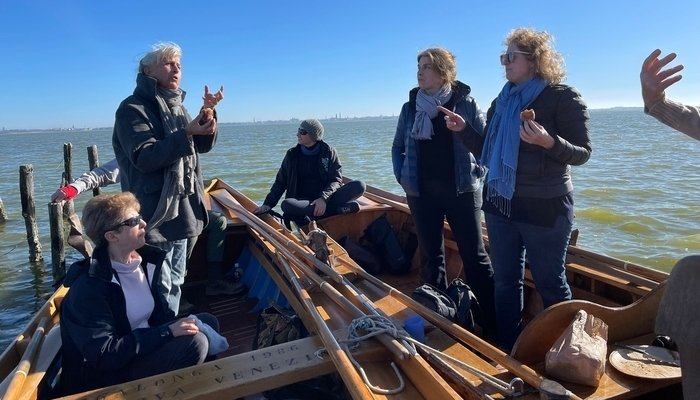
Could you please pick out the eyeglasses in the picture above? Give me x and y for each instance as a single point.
(302, 132)
(131, 222)
(509, 57)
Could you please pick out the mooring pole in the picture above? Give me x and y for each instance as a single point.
(3, 214)
(94, 162)
(26, 188)
(67, 175)
(58, 252)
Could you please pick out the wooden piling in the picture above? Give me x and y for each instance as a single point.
(94, 162)
(26, 187)
(67, 175)
(58, 254)
(3, 214)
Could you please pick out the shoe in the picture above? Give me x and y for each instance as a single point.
(224, 287)
(185, 308)
(349, 208)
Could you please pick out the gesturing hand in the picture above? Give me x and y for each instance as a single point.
(655, 81)
(212, 99)
(454, 121)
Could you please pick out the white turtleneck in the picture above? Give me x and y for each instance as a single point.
(137, 291)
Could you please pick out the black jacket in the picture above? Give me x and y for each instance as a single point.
(96, 335)
(144, 153)
(287, 177)
(543, 173)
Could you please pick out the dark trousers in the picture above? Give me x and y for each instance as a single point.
(463, 213)
(296, 209)
(178, 352)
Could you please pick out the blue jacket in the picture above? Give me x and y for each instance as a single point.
(404, 151)
(95, 331)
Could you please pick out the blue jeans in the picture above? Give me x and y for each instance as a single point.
(173, 272)
(546, 254)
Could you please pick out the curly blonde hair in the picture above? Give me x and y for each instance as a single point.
(443, 62)
(549, 64)
(102, 213)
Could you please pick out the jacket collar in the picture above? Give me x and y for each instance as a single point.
(459, 91)
(147, 87)
(100, 265)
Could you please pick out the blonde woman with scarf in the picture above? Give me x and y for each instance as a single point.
(157, 146)
(528, 195)
(441, 178)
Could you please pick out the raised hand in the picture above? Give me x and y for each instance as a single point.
(212, 99)
(654, 80)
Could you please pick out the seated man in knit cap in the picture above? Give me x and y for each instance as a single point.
(311, 176)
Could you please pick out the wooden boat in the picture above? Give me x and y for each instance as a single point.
(331, 300)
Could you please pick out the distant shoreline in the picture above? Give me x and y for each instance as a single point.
(267, 122)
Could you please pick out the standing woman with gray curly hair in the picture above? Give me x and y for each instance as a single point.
(529, 201)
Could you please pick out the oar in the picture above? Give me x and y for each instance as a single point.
(286, 246)
(488, 350)
(25, 363)
(420, 373)
(353, 382)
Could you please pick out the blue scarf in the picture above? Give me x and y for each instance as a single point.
(500, 154)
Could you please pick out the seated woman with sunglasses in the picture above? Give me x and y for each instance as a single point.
(311, 176)
(115, 324)
(529, 201)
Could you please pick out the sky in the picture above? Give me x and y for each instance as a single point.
(70, 63)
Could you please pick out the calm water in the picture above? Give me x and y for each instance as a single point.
(636, 199)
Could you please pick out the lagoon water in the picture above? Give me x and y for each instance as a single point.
(636, 199)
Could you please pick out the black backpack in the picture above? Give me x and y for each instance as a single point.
(468, 310)
(385, 243)
(457, 303)
(436, 300)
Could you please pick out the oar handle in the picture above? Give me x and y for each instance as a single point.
(13, 389)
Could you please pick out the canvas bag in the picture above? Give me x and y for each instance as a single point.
(278, 325)
(580, 353)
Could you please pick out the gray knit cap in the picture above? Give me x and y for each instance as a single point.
(313, 127)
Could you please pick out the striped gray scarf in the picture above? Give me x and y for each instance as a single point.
(180, 177)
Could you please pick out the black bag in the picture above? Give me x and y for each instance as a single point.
(362, 255)
(468, 310)
(457, 303)
(385, 243)
(436, 300)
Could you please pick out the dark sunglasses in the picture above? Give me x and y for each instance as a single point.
(131, 222)
(509, 57)
(302, 132)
